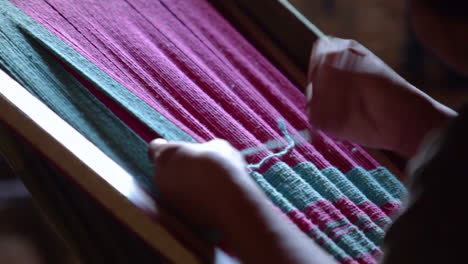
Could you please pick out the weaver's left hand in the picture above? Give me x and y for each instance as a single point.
(208, 185)
(203, 183)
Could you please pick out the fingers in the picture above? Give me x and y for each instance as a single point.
(220, 146)
(340, 53)
(316, 58)
(332, 75)
(333, 59)
(322, 47)
(155, 148)
(161, 151)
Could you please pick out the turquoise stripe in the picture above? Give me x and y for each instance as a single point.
(279, 200)
(365, 182)
(389, 182)
(342, 232)
(301, 195)
(293, 187)
(314, 177)
(384, 222)
(351, 191)
(334, 225)
(25, 25)
(35, 69)
(327, 244)
(26, 49)
(345, 185)
(361, 220)
(374, 232)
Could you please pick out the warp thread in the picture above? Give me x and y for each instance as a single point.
(291, 145)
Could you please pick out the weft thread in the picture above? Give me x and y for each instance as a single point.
(291, 145)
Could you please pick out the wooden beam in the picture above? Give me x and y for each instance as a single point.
(93, 171)
(281, 33)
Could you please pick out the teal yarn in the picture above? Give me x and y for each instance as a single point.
(33, 56)
(291, 145)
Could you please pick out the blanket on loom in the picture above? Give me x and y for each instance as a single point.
(123, 72)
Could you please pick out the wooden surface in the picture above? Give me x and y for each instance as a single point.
(90, 169)
(275, 31)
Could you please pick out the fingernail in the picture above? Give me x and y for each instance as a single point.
(309, 91)
(153, 150)
(157, 142)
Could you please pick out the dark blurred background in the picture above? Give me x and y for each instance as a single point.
(383, 27)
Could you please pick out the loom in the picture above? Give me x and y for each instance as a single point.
(86, 84)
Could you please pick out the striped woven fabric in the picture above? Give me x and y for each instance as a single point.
(123, 72)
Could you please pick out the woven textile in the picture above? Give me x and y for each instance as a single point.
(122, 72)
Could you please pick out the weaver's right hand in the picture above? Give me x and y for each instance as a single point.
(354, 95)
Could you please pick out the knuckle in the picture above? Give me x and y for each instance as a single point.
(210, 156)
(167, 154)
(220, 142)
(357, 48)
(352, 42)
(216, 151)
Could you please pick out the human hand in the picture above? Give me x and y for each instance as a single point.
(355, 96)
(203, 183)
(208, 185)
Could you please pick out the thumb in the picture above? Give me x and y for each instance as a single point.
(155, 148)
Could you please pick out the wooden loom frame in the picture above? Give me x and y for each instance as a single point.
(277, 30)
